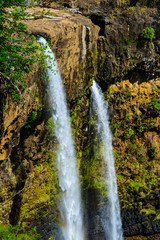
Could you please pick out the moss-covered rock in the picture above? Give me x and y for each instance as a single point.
(135, 117)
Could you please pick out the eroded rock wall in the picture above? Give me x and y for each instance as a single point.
(136, 111)
(29, 184)
(70, 36)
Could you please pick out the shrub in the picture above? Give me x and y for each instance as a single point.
(148, 34)
(18, 48)
(13, 233)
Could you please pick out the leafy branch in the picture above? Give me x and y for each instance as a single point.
(18, 48)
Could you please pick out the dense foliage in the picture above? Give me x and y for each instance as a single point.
(148, 34)
(18, 48)
(13, 233)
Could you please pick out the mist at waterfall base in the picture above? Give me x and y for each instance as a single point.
(111, 219)
(70, 207)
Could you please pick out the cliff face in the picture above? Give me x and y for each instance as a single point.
(71, 38)
(128, 56)
(82, 5)
(134, 119)
(14, 118)
(135, 125)
(107, 45)
(28, 145)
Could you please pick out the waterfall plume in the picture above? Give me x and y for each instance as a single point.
(111, 219)
(70, 207)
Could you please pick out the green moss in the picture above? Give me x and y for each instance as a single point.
(42, 193)
(155, 104)
(116, 126)
(129, 133)
(33, 116)
(50, 126)
(136, 185)
(134, 156)
(148, 211)
(157, 217)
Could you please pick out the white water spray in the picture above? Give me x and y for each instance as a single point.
(70, 208)
(112, 222)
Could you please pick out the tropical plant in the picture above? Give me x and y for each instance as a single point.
(18, 48)
(14, 233)
(148, 34)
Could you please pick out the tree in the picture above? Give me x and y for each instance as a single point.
(18, 48)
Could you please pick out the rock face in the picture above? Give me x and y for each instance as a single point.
(70, 37)
(14, 118)
(137, 153)
(106, 44)
(134, 116)
(29, 184)
(127, 56)
(82, 5)
(27, 158)
(122, 51)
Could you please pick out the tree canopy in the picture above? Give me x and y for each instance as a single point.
(18, 48)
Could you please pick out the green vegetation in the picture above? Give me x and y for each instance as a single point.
(148, 211)
(15, 233)
(43, 193)
(152, 152)
(135, 121)
(93, 168)
(45, 12)
(31, 118)
(129, 133)
(155, 104)
(127, 43)
(18, 48)
(148, 34)
(50, 125)
(115, 127)
(157, 217)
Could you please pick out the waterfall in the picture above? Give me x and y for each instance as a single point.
(112, 220)
(70, 206)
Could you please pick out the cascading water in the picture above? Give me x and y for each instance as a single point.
(70, 208)
(112, 224)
